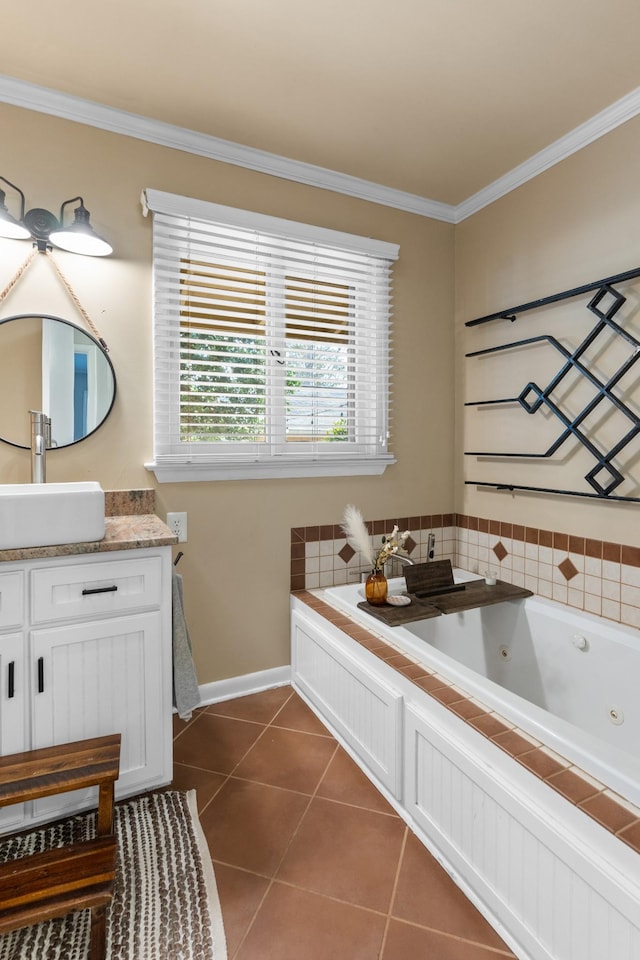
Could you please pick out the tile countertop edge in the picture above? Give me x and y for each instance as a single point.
(121, 533)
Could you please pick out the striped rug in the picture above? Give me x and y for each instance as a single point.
(165, 904)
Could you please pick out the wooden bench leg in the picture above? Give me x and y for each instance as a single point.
(105, 809)
(98, 942)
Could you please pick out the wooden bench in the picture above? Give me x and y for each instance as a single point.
(77, 876)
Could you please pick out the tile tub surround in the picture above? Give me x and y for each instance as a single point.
(611, 811)
(321, 556)
(592, 575)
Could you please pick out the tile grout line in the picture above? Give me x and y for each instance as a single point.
(226, 780)
(391, 916)
(454, 936)
(394, 890)
(229, 776)
(272, 879)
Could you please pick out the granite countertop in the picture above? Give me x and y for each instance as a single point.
(126, 528)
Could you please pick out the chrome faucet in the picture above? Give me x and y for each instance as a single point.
(40, 440)
(401, 556)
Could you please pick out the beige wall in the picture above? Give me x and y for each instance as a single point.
(578, 222)
(236, 562)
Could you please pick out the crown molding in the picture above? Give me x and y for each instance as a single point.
(44, 100)
(30, 96)
(602, 123)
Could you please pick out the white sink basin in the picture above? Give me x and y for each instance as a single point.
(43, 514)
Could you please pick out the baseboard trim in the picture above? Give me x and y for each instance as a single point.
(242, 686)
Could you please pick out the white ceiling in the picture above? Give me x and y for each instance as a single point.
(437, 98)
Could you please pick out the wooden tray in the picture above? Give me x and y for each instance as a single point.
(396, 616)
(476, 594)
(479, 594)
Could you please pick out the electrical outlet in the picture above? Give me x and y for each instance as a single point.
(177, 523)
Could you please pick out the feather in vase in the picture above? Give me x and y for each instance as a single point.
(357, 533)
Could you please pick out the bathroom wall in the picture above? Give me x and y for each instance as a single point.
(573, 224)
(236, 564)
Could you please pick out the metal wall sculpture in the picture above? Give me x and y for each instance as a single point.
(605, 477)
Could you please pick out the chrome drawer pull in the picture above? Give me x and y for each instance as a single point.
(85, 593)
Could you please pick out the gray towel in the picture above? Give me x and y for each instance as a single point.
(186, 694)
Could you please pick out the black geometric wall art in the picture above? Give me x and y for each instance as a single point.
(604, 477)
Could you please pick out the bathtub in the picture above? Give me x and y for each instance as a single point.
(553, 882)
(569, 679)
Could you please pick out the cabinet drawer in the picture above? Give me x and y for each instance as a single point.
(94, 589)
(11, 599)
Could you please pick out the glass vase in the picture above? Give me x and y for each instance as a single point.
(375, 588)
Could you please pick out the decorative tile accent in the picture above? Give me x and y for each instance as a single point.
(567, 569)
(347, 553)
(500, 551)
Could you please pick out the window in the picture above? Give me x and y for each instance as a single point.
(271, 345)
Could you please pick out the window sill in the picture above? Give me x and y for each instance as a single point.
(280, 469)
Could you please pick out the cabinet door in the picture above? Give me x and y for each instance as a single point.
(102, 677)
(13, 713)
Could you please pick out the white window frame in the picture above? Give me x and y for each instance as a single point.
(175, 461)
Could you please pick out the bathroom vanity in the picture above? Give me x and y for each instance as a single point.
(85, 651)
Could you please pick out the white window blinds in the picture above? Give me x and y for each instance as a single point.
(271, 345)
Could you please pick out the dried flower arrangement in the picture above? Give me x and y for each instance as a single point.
(359, 539)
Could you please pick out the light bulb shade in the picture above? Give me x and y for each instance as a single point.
(81, 241)
(9, 226)
(80, 237)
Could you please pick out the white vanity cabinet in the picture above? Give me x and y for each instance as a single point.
(89, 638)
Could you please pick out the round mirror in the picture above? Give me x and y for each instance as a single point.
(52, 365)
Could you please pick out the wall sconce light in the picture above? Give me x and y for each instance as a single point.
(45, 229)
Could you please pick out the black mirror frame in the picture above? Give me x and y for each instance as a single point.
(69, 323)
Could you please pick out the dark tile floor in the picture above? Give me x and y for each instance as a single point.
(311, 862)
